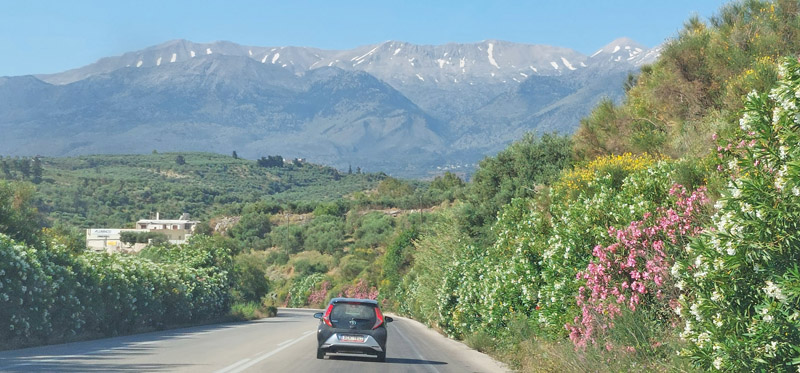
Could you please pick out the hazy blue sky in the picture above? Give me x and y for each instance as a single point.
(51, 36)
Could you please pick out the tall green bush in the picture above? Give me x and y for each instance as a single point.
(51, 294)
(741, 281)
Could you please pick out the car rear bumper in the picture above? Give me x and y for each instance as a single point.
(335, 344)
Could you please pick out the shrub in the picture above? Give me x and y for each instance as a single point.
(324, 234)
(634, 271)
(250, 282)
(741, 280)
(310, 262)
(50, 295)
(374, 230)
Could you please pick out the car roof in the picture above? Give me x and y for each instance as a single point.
(371, 302)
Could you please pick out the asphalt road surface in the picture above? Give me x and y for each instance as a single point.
(286, 343)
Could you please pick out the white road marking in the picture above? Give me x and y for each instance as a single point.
(236, 368)
(232, 366)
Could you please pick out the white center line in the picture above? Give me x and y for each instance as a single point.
(267, 355)
(232, 366)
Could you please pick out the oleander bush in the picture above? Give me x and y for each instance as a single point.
(49, 294)
(740, 283)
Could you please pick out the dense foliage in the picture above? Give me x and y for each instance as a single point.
(696, 86)
(50, 295)
(117, 190)
(597, 253)
(741, 280)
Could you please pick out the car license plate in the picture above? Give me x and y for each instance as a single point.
(351, 338)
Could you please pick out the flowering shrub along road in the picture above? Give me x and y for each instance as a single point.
(620, 236)
(50, 295)
(635, 270)
(741, 283)
(544, 243)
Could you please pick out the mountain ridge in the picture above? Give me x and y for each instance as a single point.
(394, 106)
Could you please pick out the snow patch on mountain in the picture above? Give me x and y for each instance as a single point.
(364, 55)
(491, 56)
(567, 64)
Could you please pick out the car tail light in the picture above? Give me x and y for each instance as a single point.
(327, 317)
(378, 318)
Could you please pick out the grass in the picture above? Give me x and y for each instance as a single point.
(632, 349)
(252, 311)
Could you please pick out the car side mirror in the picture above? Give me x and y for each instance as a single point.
(318, 315)
(388, 319)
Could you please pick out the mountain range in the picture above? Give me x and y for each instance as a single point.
(405, 109)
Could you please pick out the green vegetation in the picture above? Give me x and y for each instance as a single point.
(55, 293)
(695, 88)
(621, 262)
(637, 244)
(118, 190)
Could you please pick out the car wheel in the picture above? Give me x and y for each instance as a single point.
(381, 356)
(320, 353)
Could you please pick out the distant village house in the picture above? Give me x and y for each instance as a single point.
(177, 231)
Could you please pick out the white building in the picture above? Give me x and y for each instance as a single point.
(177, 232)
(108, 239)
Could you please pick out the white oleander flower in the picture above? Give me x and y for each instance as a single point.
(718, 363)
(718, 320)
(773, 291)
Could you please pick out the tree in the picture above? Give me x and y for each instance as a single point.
(391, 187)
(37, 170)
(179, 160)
(513, 173)
(324, 234)
(203, 229)
(271, 161)
(24, 166)
(6, 170)
(235, 156)
(250, 277)
(19, 217)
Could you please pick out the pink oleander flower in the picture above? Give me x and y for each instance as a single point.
(634, 268)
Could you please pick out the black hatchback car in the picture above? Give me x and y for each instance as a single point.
(353, 326)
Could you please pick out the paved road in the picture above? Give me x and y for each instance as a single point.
(286, 343)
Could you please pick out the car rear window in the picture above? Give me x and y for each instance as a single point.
(356, 316)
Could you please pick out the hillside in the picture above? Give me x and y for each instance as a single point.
(117, 190)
